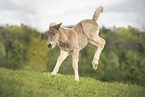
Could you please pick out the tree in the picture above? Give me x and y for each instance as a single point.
(16, 54)
(111, 67)
(142, 72)
(130, 67)
(36, 55)
(2, 55)
(2, 50)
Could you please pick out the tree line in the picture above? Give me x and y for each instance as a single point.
(123, 58)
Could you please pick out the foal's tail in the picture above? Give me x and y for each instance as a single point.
(97, 13)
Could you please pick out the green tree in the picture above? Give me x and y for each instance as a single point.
(142, 42)
(2, 55)
(15, 55)
(142, 72)
(2, 50)
(36, 54)
(130, 67)
(111, 66)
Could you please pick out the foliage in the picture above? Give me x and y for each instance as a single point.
(36, 84)
(2, 54)
(2, 50)
(123, 58)
(36, 55)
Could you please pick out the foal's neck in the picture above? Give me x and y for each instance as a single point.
(63, 37)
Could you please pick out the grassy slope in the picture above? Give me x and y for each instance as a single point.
(36, 84)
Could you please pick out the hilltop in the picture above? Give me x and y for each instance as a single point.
(41, 84)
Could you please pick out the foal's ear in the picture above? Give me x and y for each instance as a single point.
(57, 26)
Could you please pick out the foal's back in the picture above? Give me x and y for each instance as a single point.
(85, 30)
(88, 26)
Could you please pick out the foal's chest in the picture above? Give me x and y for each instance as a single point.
(66, 46)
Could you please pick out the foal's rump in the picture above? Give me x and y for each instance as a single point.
(88, 27)
(86, 30)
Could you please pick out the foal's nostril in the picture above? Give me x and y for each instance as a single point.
(49, 45)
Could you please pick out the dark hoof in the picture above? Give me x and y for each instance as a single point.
(52, 75)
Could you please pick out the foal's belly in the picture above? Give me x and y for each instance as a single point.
(82, 41)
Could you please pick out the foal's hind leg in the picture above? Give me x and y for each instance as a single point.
(98, 43)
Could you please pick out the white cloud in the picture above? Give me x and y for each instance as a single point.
(40, 13)
(118, 19)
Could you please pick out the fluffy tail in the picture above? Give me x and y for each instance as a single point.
(97, 13)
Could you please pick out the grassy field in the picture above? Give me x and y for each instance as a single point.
(37, 84)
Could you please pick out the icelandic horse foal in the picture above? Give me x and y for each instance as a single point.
(72, 40)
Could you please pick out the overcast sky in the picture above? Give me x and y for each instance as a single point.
(40, 13)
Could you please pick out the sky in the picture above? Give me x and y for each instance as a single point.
(40, 13)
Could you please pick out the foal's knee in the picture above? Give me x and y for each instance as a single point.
(75, 67)
(102, 43)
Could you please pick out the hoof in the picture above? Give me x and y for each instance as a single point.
(95, 65)
(76, 80)
(53, 75)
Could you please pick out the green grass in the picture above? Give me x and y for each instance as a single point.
(37, 84)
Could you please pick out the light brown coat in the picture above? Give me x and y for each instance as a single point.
(72, 40)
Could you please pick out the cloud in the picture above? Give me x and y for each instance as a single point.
(124, 13)
(136, 6)
(11, 6)
(40, 13)
(118, 19)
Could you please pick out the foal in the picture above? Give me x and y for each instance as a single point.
(72, 40)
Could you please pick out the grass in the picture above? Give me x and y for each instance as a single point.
(37, 84)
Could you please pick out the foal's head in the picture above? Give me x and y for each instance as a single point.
(53, 34)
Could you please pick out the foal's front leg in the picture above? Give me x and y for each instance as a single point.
(75, 56)
(60, 59)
